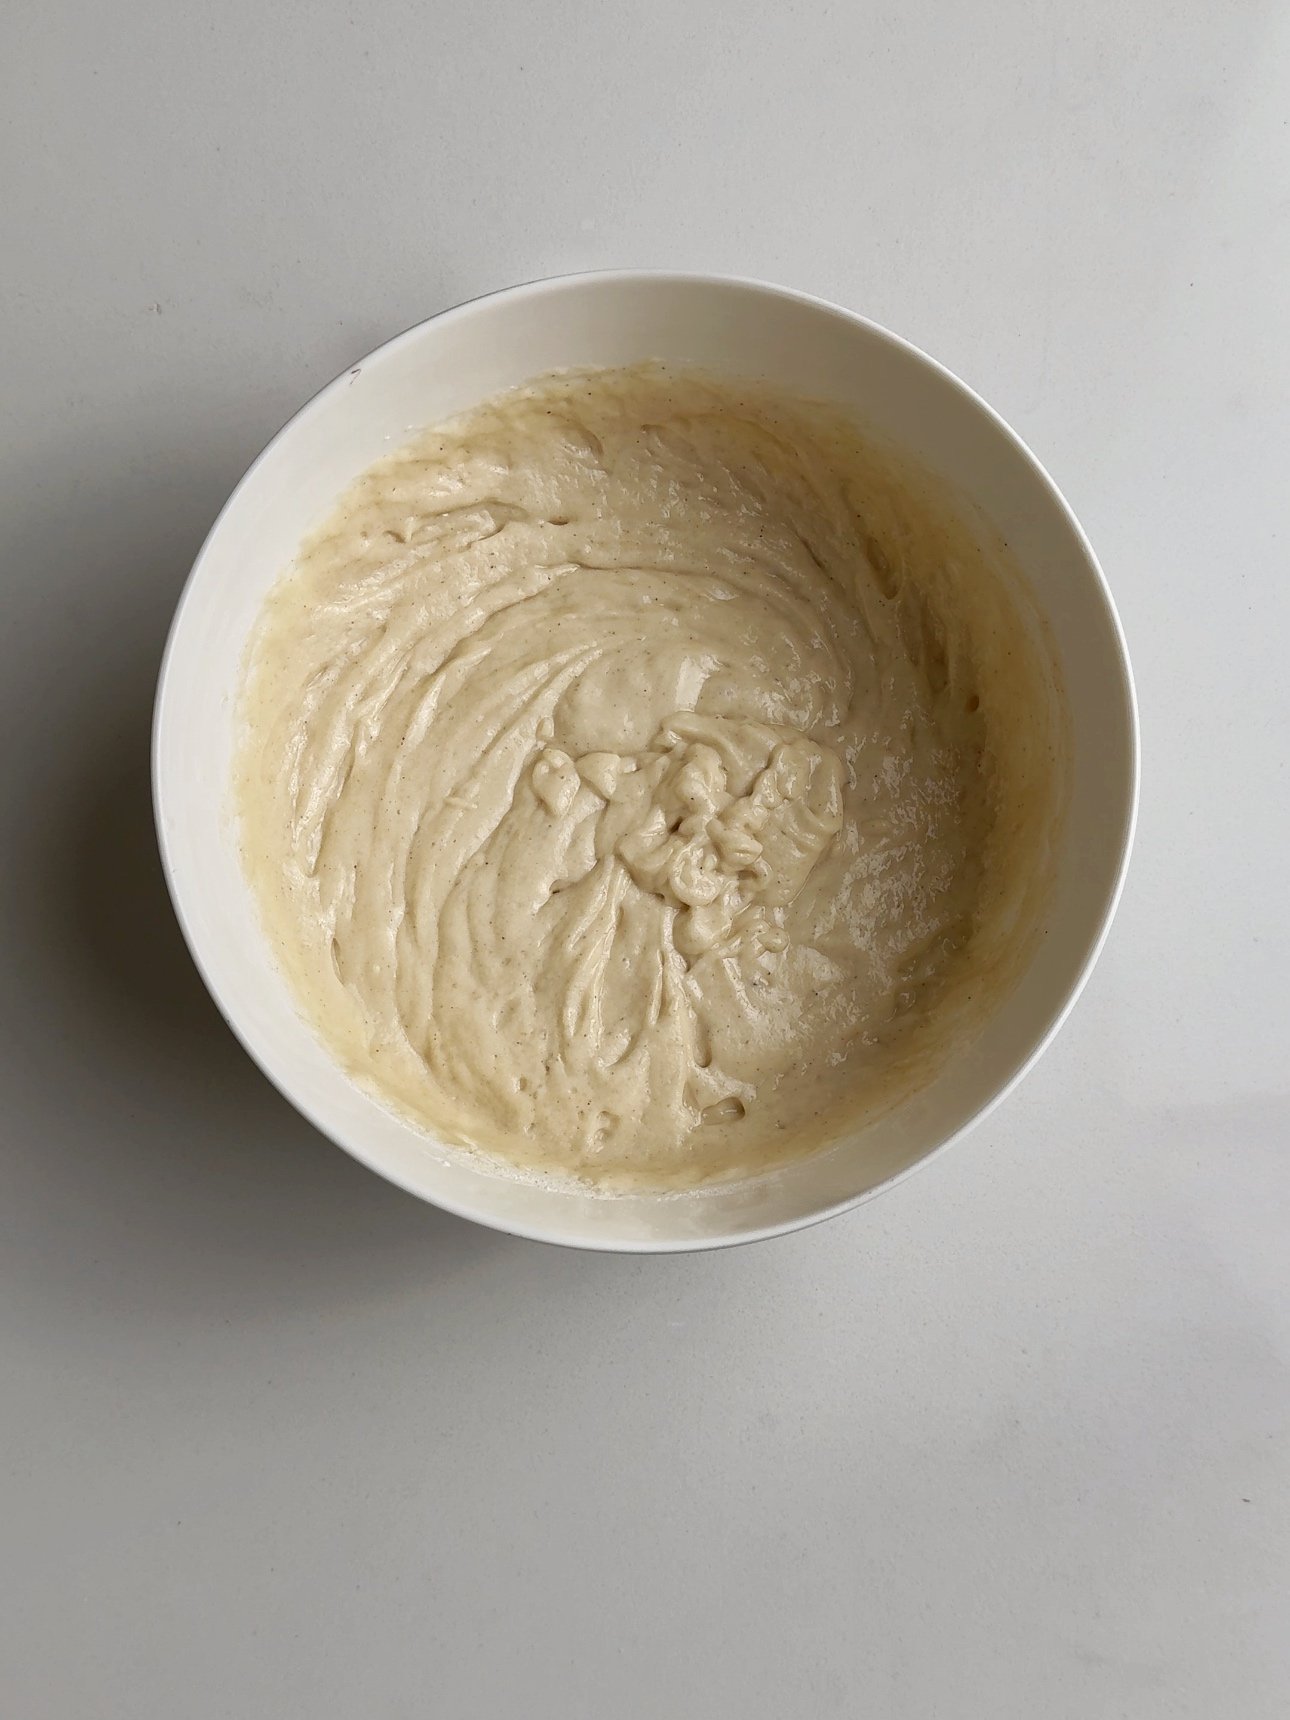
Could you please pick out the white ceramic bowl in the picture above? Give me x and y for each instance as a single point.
(458, 359)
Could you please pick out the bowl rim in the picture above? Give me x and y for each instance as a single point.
(548, 284)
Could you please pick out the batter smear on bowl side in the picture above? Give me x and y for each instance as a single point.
(642, 778)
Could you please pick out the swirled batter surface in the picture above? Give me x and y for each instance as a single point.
(618, 780)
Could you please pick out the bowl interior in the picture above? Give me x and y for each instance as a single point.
(453, 362)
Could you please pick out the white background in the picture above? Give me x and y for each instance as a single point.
(1011, 1443)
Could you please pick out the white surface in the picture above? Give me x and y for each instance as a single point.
(1010, 1442)
(446, 366)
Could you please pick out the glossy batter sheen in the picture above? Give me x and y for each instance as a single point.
(641, 781)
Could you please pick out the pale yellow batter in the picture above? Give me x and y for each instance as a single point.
(641, 779)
